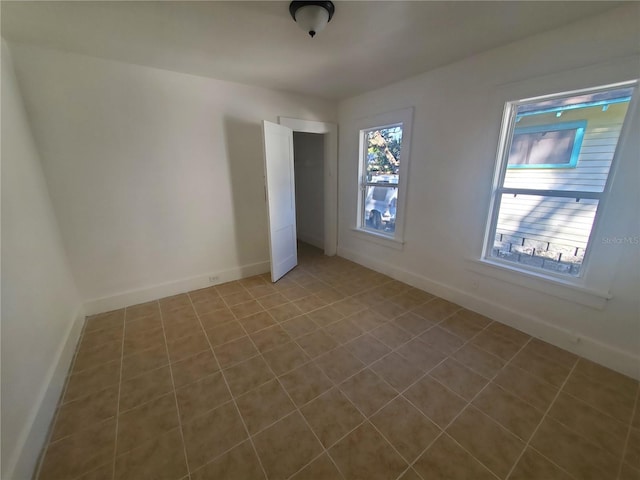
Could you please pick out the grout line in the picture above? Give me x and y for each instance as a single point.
(224, 377)
(544, 416)
(175, 394)
(115, 443)
(630, 428)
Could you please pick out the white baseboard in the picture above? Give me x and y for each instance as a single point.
(311, 239)
(23, 461)
(133, 297)
(590, 348)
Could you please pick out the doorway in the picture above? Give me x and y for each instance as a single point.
(324, 181)
(308, 164)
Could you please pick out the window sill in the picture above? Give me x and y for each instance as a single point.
(378, 239)
(540, 282)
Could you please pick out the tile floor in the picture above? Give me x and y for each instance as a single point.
(334, 372)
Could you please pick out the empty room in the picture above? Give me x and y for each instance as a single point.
(315, 240)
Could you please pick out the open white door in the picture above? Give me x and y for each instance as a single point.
(281, 198)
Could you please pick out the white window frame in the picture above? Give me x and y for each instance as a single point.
(404, 118)
(592, 288)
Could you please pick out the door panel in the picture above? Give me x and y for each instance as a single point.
(281, 200)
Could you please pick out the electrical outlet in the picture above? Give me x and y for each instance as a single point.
(214, 279)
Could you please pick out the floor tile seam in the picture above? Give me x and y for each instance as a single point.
(604, 383)
(115, 443)
(56, 413)
(175, 395)
(598, 410)
(470, 403)
(296, 409)
(629, 430)
(313, 460)
(235, 404)
(542, 419)
(295, 406)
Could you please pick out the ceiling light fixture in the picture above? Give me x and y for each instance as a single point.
(312, 17)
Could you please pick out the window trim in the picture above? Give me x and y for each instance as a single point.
(403, 117)
(590, 282)
(579, 126)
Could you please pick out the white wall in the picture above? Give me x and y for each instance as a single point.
(156, 176)
(308, 154)
(455, 130)
(40, 303)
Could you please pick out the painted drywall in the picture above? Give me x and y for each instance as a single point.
(456, 127)
(156, 176)
(308, 154)
(40, 302)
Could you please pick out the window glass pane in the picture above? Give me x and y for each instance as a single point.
(380, 208)
(545, 232)
(383, 154)
(566, 143)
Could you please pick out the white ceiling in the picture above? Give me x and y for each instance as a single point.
(366, 45)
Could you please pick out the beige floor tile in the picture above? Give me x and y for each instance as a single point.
(486, 440)
(391, 335)
(437, 309)
(459, 378)
(146, 422)
(441, 340)
(305, 383)
(299, 326)
(368, 319)
(627, 472)
(91, 380)
(77, 454)
(187, 346)
(142, 310)
(550, 352)
(225, 333)
(533, 390)
(317, 343)
(247, 375)
(247, 308)
(542, 367)
(364, 453)
(270, 338)
(511, 412)
(325, 316)
(533, 465)
(257, 321)
(509, 333)
(95, 338)
(343, 330)
(603, 397)
(104, 320)
(447, 459)
(367, 348)
(397, 371)
(339, 364)
(478, 360)
(161, 458)
(331, 416)
(193, 368)
(216, 317)
(240, 463)
(496, 345)
(463, 326)
(436, 401)
(405, 428)
(85, 411)
(91, 357)
(284, 312)
(144, 362)
(413, 323)
(321, 468)
(632, 455)
(368, 391)
(235, 351)
(199, 397)
(420, 355)
(145, 387)
(286, 447)
(285, 358)
(212, 434)
(264, 406)
(142, 340)
(601, 429)
(573, 453)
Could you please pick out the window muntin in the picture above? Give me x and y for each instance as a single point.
(382, 148)
(542, 217)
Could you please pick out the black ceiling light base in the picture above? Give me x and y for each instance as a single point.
(326, 5)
